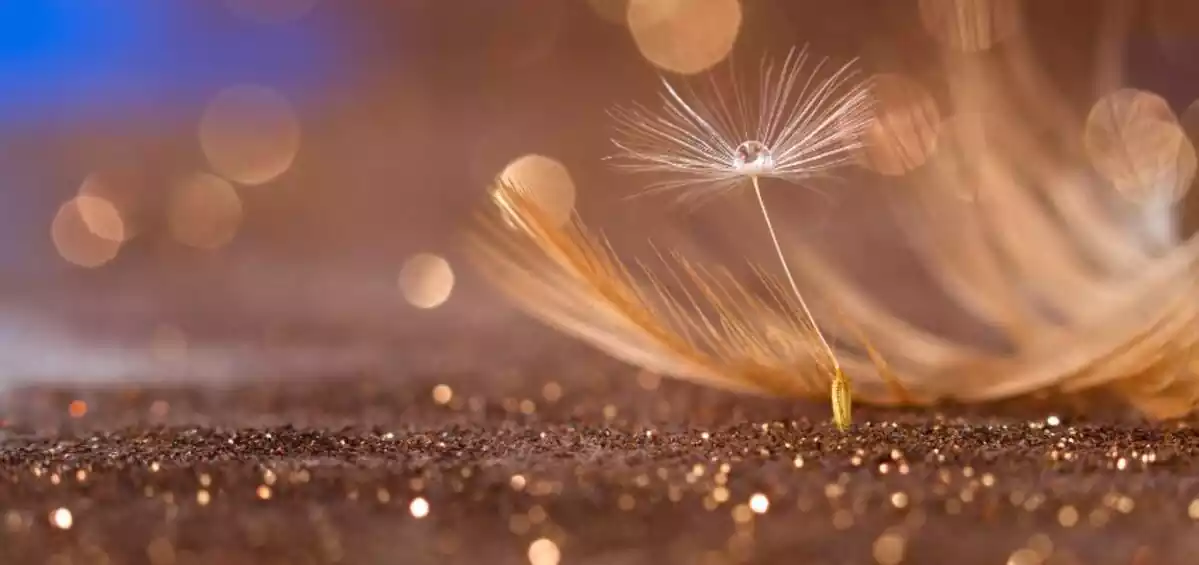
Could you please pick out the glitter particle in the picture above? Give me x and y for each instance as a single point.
(889, 548)
(419, 507)
(62, 519)
(759, 503)
(544, 552)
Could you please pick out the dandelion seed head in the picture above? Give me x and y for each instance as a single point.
(799, 119)
(753, 158)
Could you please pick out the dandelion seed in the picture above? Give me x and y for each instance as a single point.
(712, 142)
(707, 140)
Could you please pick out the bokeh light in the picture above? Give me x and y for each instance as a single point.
(204, 211)
(250, 134)
(546, 181)
(544, 551)
(105, 208)
(101, 217)
(426, 280)
(684, 36)
(903, 133)
(270, 11)
(970, 26)
(1133, 138)
(78, 242)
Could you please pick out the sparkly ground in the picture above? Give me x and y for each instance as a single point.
(358, 471)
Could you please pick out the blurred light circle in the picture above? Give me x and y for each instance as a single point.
(612, 11)
(684, 36)
(544, 551)
(903, 133)
(270, 11)
(101, 217)
(969, 26)
(426, 280)
(249, 134)
(1135, 141)
(546, 182)
(74, 239)
(204, 211)
(106, 209)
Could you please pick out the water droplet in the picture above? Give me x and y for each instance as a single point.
(753, 158)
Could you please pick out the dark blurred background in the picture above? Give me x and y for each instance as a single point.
(217, 189)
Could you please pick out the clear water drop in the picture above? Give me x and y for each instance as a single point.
(753, 158)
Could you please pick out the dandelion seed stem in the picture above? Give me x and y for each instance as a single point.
(778, 249)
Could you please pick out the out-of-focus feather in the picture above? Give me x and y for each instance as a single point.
(682, 320)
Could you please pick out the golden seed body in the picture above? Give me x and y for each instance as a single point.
(841, 401)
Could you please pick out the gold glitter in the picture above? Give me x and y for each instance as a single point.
(544, 552)
(720, 494)
(203, 498)
(988, 480)
(517, 482)
(833, 490)
(443, 394)
(759, 503)
(1125, 504)
(62, 519)
(899, 499)
(1193, 509)
(798, 461)
(13, 520)
(264, 492)
(269, 477)
(1024, 556)
(1053, 421)
(383, 495)
(205, 479)
(889, 548)
(1041, 544)
(609, 412)
(742, 514)
(80, 476)
(419, 507)
(626, 502)
(1067, 516)
(537, 514)
(154, 467)
(527, 406)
